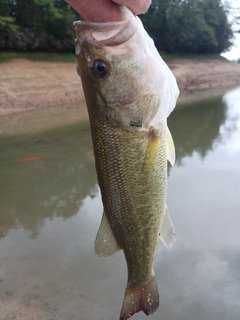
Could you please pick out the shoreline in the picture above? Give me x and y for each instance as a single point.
(37, 95)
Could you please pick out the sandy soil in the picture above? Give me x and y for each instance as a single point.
(53, 89)
(28, 84)
(194, 75)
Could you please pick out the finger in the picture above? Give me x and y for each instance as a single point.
(136, 6)
(97, 10)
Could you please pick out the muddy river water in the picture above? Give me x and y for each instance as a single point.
(50, 210)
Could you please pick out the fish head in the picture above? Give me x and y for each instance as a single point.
(125, 81)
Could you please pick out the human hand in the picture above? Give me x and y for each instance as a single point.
(107, 10)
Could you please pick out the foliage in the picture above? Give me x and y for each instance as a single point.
(40, 25)
(194, 26)
(177, 26)
(7, 25)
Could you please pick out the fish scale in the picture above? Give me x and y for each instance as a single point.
(126, 191)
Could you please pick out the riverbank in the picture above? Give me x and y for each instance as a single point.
(52, 92)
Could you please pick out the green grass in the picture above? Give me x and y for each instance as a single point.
(70, 57)
(65, 57)
(169, 57)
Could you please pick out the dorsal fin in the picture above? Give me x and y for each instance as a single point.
(105, 243)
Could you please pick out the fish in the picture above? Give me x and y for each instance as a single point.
(129, 92)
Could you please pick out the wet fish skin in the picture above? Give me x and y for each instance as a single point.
(131, 146)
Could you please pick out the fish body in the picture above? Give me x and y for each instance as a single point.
(129, 93)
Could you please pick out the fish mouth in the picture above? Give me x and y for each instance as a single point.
(107, 33)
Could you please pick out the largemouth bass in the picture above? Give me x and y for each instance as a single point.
(129, 92)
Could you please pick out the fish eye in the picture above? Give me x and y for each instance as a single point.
(99, 68)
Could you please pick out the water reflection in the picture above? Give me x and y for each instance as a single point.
(206, 284)
(231, 125)
(196, 127)
(57, 184)
(50, 211)
(53, 186)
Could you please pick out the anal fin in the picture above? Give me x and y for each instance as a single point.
(167, 230)
(105, 243)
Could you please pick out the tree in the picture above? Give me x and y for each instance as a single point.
(7, 23)
(41, 25)
(188, 26)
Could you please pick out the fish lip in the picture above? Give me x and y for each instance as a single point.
(119, 31)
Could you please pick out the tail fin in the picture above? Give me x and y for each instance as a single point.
(144, 298)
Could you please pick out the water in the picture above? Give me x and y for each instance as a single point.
(51, 209)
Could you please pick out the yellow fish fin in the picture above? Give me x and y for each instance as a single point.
(152, 151)
(105, 243)
(167, 230)
(170, 147)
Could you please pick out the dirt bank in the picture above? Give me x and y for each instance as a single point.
(194, 75)
(53, 89)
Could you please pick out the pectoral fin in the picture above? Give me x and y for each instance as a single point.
(105, 243)
(170, 147)
(151, 152)
(167, 230)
